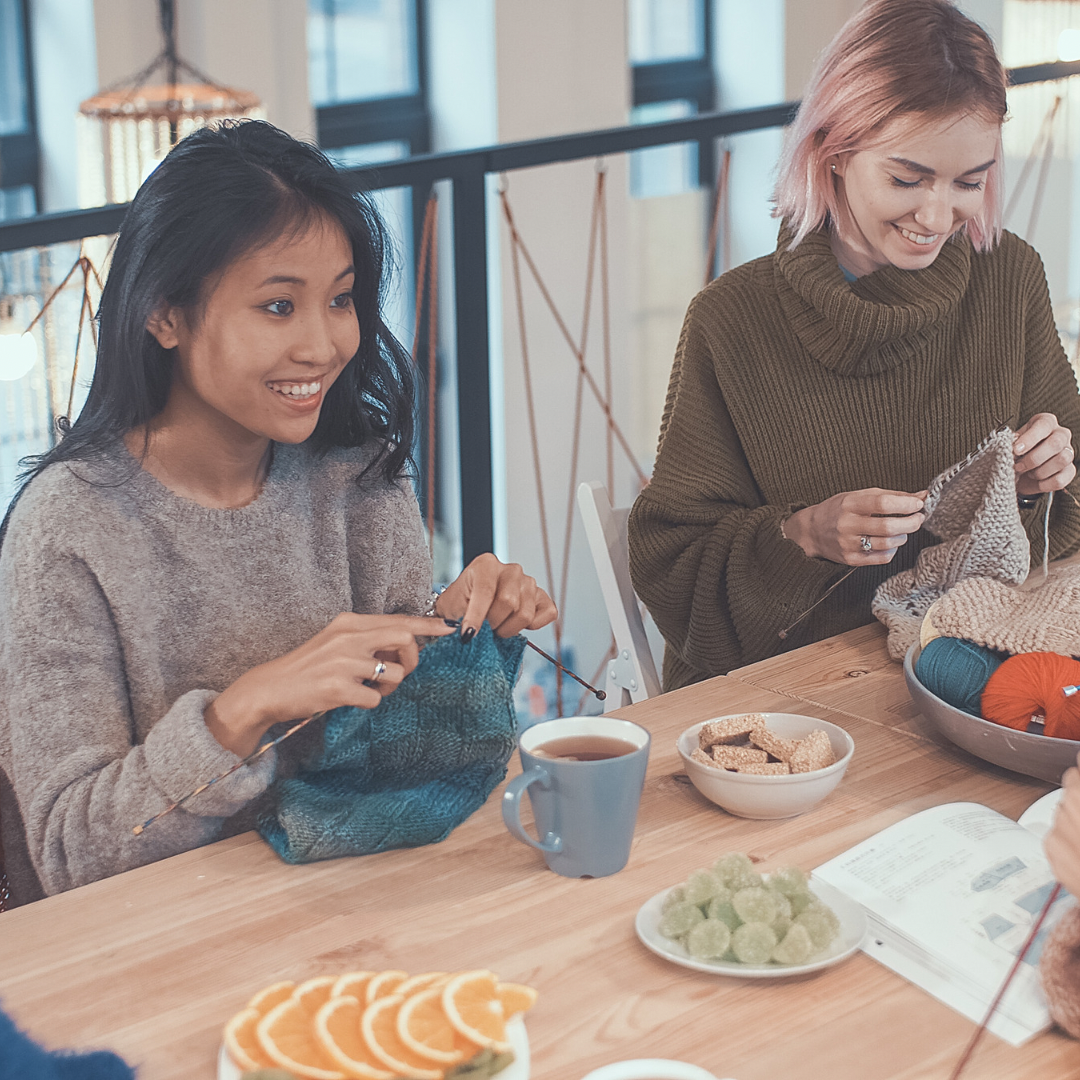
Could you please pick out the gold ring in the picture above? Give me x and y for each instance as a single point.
(379, 672)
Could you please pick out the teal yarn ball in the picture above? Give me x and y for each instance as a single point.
(957, 671)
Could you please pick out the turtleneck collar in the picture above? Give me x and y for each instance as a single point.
(875, 322)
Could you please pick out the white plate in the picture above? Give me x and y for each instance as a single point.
(852, 931)
(516, 1035)
(1039, 816)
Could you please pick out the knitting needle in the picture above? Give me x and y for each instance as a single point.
(1068, 691)
(601, 695)
(1050, 900)
(138, 830)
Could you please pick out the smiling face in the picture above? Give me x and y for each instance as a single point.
(901, 199)
(274, 333)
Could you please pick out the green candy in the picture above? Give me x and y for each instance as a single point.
(721, 910)
(800, 901)
(702, 885)
(788, 880)
(796, 947)
(675, 896)
(709, 940)
(755, 905)
(781, 924)
(680, 919)
(753, 943)
(820, 923)
(783, 905)
(736, 871)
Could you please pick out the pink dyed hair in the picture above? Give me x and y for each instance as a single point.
(893, 58)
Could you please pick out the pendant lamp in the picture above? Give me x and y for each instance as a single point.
(126, 129)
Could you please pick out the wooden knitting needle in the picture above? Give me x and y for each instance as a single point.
(140, 829)
(1051, 899)
(601, 695)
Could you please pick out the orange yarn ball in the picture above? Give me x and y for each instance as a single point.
(1030, 684)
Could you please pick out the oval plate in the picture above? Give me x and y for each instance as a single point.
(852, 931)
(518, 1069)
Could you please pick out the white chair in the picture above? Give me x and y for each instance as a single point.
(632, 674)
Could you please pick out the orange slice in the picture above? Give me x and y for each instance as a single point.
(314, 993)
(287, 1037)
(378, 1026)
(472, 1005)
(273, 995)
(337, 1027)
(383, 984)
(423, 1027)
(422, 982)
(515, 998)
(242, 1042)
(354, 983)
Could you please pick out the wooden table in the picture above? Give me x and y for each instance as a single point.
(151, 963)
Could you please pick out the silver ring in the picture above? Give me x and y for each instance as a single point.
(379, 672)
(864, 543)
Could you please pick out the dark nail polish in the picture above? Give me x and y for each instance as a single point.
(455, 623)
(468, 633)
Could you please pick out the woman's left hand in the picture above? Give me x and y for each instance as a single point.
(1044, 455)
(1063, 841)
(502, 593)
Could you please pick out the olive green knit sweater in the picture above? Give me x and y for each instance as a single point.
(791, 385)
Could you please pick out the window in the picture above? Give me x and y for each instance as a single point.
(367, 73)
(18, 141)
(671, 56)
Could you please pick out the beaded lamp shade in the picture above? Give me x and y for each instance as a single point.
(125, 130)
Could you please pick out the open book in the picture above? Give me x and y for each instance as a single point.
(951, 894)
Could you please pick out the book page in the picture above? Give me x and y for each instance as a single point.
(961, 885)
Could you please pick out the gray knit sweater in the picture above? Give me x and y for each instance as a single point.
(125, 609)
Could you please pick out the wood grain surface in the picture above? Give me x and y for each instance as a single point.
(153, 962)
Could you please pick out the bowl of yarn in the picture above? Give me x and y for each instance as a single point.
(1009, 710)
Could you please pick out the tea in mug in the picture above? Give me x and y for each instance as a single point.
(583, 748)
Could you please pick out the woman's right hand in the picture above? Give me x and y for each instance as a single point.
(338, 666)
(834, 529)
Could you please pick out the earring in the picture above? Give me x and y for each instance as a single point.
(834, 166)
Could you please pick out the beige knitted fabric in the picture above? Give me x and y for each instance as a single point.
(972, 508)
(1059, 969)
(1041, 619)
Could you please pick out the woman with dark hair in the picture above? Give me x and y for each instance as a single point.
(817, 391)
(225, 538)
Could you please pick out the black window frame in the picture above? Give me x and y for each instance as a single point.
(20, 155)
(398, 118)
(692, 79)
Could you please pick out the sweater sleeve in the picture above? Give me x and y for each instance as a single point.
(1059, 970)
(81, 779)
(1049, 386)
(707, 554)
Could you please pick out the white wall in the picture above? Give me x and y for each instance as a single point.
(562, 67)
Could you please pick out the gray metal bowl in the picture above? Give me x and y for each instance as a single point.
(1033, 755)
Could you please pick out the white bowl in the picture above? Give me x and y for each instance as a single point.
(767, 797)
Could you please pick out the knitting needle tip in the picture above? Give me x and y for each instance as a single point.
(1069, 691)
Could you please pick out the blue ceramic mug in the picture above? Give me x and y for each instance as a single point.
(585, 810)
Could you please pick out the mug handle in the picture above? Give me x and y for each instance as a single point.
(650, 1069)
(511, 809)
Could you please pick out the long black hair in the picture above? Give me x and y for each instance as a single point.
(220, 193)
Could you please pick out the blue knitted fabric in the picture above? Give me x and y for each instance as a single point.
(957, 671)
(409, 771)
(22, 1059)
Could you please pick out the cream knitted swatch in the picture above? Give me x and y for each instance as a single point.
(1041, 619)
(972, 508)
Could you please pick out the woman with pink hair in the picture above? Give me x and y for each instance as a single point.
(818, 390)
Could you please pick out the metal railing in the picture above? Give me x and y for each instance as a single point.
(466, 172)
